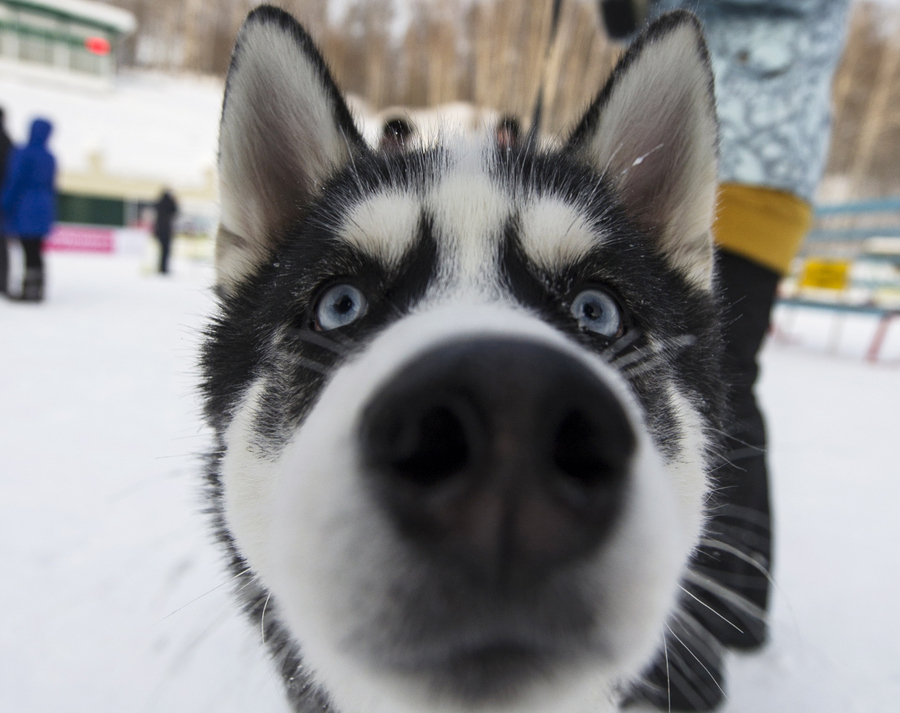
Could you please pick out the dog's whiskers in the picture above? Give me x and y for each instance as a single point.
(697, 659)
(701, 602)
(735, 439)
(210, 591)
(668, 674)
(716, 544)
(737, 601)
(310, 364)
(640, 361)
(668, 346)
(321, 340)
(643, 368)
(618, 346)
(262, 619)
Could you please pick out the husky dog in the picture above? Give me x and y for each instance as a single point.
(465, 397)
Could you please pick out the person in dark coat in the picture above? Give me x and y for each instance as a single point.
(5, 148)
(166, 209)
(29, 203)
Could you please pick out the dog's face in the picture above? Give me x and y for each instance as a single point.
(463, 393)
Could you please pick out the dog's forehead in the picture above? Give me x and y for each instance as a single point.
(469, 206)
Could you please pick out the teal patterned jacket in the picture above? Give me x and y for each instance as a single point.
(774, 61)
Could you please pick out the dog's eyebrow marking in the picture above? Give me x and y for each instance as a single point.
(554, 233)
(383, 227)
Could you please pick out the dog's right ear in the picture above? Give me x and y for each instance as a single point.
(652, 132)
(285, 130)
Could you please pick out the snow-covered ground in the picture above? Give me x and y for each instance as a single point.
(113, 598)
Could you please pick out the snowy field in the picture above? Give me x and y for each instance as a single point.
(114, 600)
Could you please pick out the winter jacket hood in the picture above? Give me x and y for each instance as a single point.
(29, 196)
(40, 132)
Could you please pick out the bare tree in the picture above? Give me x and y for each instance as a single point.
(495, 53)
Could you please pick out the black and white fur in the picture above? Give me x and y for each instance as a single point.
(467, 497)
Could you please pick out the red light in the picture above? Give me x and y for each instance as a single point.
(97, 45)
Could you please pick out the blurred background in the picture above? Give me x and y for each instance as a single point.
(114, 599)
(134, 88)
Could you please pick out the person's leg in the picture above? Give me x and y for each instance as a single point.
(33, 284)
(165, 245)
(739, 554)
(4, 265)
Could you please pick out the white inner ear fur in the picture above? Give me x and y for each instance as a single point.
(554, 233)
(278, 142)
(656, 139)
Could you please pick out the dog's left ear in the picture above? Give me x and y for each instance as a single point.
(285, 130)
(652, 131)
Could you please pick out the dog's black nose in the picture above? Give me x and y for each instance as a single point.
(506, 456)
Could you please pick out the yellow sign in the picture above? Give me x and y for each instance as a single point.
(825, 274)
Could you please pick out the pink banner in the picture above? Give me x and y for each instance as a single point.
(81, 238)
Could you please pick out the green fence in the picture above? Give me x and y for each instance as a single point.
(72, 208)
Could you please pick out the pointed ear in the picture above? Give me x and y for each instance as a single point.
(285, 130)
(653, 132)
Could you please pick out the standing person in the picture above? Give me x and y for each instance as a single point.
(773, 61)
(5, 148)
(29, 204)
(166, 209)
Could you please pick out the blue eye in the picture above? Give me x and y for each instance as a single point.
(597, 312)
(339, 306)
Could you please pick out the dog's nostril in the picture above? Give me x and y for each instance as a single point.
(579, 451)
(428, 449)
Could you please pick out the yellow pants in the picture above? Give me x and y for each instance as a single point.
(761, 224)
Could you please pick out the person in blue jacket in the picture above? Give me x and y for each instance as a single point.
(29, 203)
(5, 150)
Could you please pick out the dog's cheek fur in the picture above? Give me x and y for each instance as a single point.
(249, 479)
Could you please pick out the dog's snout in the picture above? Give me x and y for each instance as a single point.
(508, 456)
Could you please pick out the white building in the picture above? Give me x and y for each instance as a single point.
(70, 41)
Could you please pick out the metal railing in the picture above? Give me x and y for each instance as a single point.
(844, 231)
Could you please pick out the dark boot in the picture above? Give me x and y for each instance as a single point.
(33, 285)
(4, 266)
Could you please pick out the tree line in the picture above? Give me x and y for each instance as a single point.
(496, 53)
